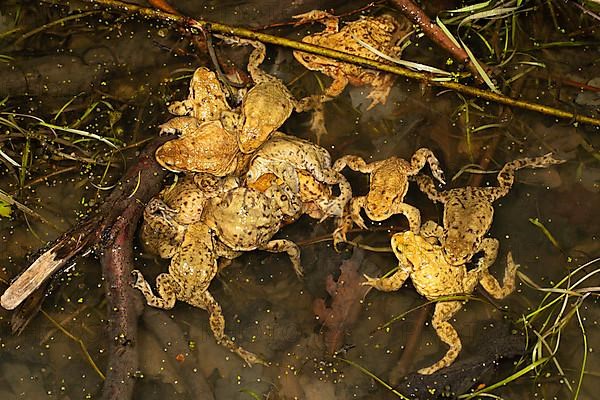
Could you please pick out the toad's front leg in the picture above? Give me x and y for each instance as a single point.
(167, 290)
(389, 283)
(446, 332)
(432, 232)
(491, 284)
(412, 214)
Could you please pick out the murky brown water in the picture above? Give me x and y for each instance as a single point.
(267, 309)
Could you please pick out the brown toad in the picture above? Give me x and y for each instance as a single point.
(284, 156)
(206, 100)
(181, 204)
(201, 147)
(387, 188)
(246, 219)
(193, 266)
(468, 212)
(433, 277)
(201, 219)
(380, 33)
(266, 106)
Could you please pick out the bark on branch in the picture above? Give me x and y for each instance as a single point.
(111, 228)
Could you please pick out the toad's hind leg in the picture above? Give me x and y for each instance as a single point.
(336, 205)
(492, 286)
(205, 301)
(167, 290)
(343, 225)
(427, 186)
(422, 156)
(291, 248)
(489, 246)
(355, 163)
(329, 20)
(349, 217)
(506, 176)
(446, 332)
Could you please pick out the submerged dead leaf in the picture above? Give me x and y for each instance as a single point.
(345, 304)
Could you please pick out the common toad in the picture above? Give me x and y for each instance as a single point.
(285, 156)
(435, 278)
(468, 212)
(387, 188)
(192, 268)
(380, 33)
(201, 147)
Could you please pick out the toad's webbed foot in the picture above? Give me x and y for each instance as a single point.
(382, 85)
(317, 124)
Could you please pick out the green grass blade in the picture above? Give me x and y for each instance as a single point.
(505, 381)
(375, 377)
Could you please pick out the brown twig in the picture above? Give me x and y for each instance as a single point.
(124, 306)
(417, 16)
(138, 184)
(113, 227)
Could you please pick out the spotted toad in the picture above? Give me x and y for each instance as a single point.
(387, 188)
(433, 277)
(380, 33)
(468, 212)
(285, 156)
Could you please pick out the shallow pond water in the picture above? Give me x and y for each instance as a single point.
(549, 220)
